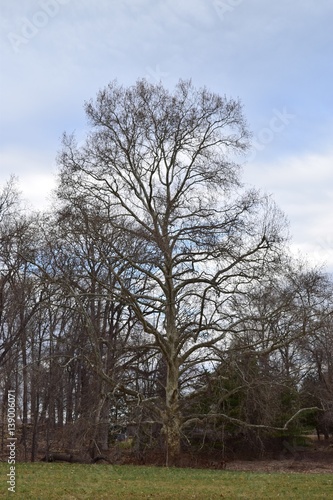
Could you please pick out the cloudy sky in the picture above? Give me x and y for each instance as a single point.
(275, 56)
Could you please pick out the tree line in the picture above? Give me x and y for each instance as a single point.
(157, 296)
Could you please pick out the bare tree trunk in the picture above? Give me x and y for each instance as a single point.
(34, 443)
(95, 445)
(69, 402)
(172, 419)
(103, 435)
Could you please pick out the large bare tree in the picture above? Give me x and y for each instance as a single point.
(161, 166)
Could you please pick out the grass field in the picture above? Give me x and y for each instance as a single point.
(41, 481)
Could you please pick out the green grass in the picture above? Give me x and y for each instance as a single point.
(41, 481)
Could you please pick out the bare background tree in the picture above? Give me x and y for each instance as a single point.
(157, 304)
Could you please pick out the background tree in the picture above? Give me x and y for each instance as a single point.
(255, 387)
(92, 340)
(157, 297)
(20, 299)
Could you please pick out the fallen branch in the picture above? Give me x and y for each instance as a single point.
(205, 418)
(68, 457)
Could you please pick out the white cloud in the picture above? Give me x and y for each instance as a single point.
(37, 189)
(35, 173)
(302, 187)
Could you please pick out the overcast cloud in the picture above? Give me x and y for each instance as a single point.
(275, 56)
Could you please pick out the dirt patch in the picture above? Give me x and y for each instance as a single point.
(316, 459)
(285, 466)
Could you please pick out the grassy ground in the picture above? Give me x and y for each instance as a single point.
(41, 481)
